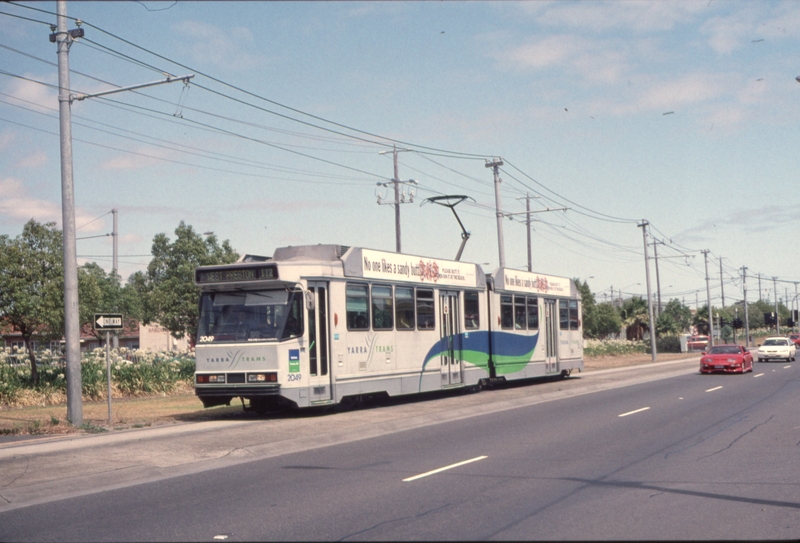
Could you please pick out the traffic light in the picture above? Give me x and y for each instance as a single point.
(770, 319)
(737, 323)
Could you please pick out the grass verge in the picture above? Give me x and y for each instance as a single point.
(183, 406)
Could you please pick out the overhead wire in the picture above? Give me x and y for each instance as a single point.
(423, 150)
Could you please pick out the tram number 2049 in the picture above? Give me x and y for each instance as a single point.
(295, 377)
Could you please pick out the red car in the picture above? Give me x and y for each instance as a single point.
(795, 339)
(726, 359)
(697, 343)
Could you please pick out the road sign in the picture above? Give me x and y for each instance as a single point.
(108, 321)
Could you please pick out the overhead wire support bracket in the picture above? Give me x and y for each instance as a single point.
(169, 79)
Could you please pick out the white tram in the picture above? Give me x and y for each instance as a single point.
(315, 325)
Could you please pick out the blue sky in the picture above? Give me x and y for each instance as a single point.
(683, 114)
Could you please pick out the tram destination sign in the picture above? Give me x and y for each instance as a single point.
(108, 321)
(235, 274)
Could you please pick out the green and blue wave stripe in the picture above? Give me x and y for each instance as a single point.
(511, 352)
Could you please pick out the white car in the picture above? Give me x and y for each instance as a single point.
(776, 347)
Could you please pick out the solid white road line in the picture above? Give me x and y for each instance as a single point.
(713, 389)
(421, 475)
(632, 412)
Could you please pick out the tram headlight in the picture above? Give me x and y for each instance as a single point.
(262, 377)
(216, 378)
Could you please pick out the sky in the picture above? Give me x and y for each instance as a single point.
(679, 114)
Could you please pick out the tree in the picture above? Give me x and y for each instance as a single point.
(674, 319)
(634, 314)
(101, 292)
(170, 297)
(587, 305)
(32, 285)
(606, 321)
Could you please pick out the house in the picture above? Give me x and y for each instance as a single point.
(133, 336)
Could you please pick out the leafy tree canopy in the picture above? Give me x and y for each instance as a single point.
(168, 291)
(32, 284)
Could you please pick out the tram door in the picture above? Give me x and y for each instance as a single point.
(551, 336)
(318, 344)
(450, 328)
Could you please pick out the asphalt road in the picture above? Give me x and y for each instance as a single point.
(647, 453)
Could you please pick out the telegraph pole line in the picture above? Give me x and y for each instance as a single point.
(399, 196)
(777, 315)
(658, 280)
(746, 315)
(708, 294)
(495, 165)
(528, 221)
(115, 234)
(643, 226)
(63, 39)
(72, 334)
(759, 287)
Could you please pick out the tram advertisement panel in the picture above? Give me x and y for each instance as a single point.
(416, 269)
(522, 281)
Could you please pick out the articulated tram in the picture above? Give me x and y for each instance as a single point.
(319, 324)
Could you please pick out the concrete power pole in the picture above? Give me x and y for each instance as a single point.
(708, 295)
(746, 315)
(658, 280)
(115, 268)
(721, 283)
(115, 237)
(495, 165)
(396, 182)
(528, 221)
(777, 316)
(643, 226)
(72, 334)
(399, 196)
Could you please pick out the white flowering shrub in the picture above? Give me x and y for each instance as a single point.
(133, 373)
(613, 347)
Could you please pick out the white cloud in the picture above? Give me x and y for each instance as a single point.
(30, 94)
(687, 90)
(639, 16)
(17, 206)
(225, 48)
(32, 160)
(7, 137)
(599, 61)
(135, 159)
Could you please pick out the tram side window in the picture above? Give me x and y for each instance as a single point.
(425, 313)
(563, 314)
(573, 315)
(357, 303)
(471, 311)
(382, 311)
(404, 308)
(506, 312)
(533, 313)
(520, 315)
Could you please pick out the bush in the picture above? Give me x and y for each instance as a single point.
(138, 373)
(613, 347)
(668, 344)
